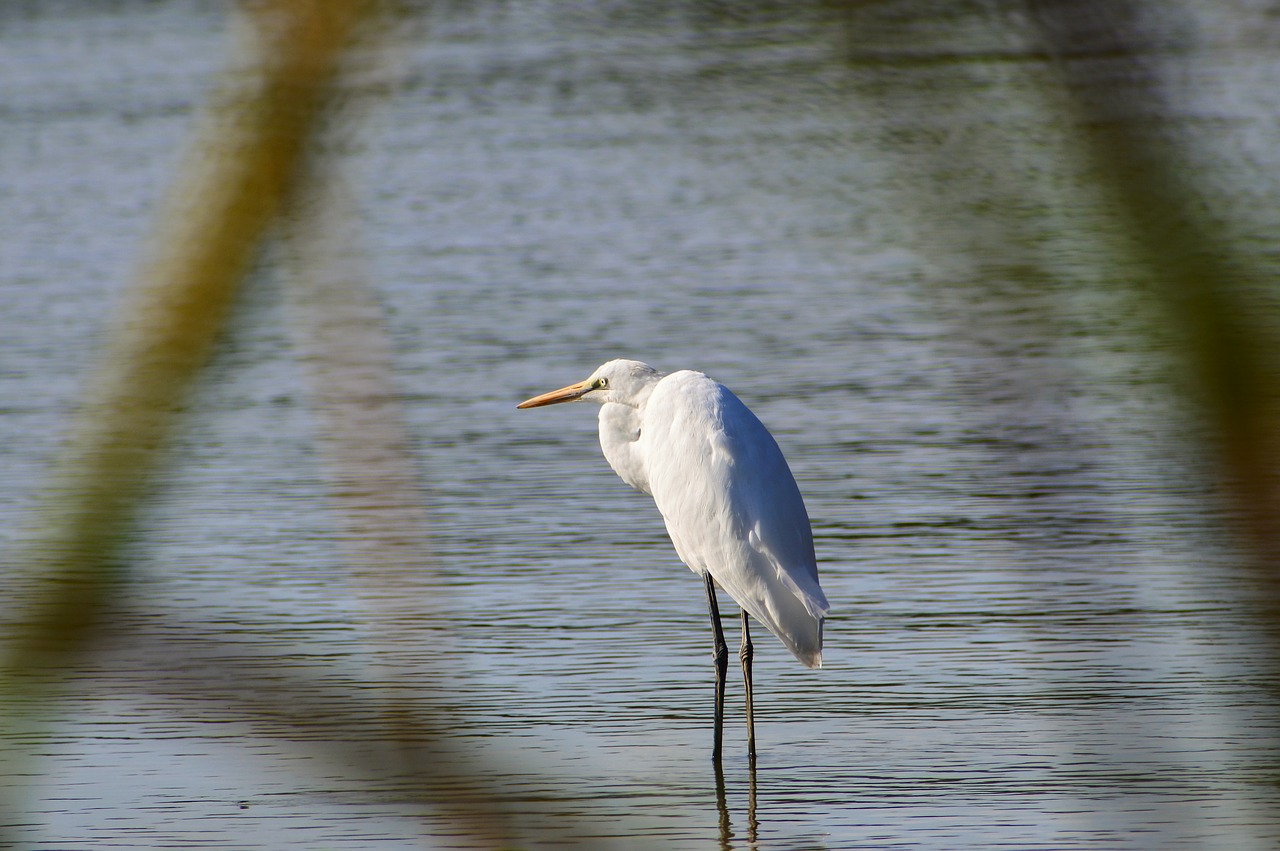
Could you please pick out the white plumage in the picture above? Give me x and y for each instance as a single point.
(731, 505)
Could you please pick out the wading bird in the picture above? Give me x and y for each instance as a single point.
(731, 505)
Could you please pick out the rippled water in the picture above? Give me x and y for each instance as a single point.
(1036, 639)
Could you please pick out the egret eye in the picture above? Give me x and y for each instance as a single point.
(602, 383)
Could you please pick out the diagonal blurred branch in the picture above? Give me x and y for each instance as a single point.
(241, 169)
(243, 164)
(361, 426)
(255, 160)
(1217, 295)
(374, 487)
(395, 741)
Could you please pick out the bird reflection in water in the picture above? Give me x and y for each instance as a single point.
(722, 802)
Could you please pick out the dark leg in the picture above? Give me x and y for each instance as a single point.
(722, 664)
(745, 654)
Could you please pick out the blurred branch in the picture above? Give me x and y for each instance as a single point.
(256, 159)
(1220, 298)
(1114, 60)
(244, 162)
(243, 165)
(364, 442)
(393, 739)
(362, 427)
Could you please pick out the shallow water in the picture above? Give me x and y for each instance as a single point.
(1037, 636)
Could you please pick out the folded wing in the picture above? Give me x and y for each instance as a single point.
(732, 507)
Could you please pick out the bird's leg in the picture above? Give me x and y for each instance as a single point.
(746, 654)
(721, 652)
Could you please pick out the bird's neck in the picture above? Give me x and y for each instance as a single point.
(620, 439)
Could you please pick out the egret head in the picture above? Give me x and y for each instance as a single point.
(626, 382)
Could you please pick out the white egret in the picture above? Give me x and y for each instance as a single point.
(731, 505)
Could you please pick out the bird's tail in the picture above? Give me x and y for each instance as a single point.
(797, 626)
(792, 613)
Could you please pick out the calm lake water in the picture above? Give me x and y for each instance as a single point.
(1038, 635)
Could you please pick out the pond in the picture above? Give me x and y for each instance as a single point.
(1038, 634)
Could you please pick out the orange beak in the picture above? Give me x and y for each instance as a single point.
(555, 397)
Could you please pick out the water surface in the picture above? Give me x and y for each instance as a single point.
(1037, 637)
